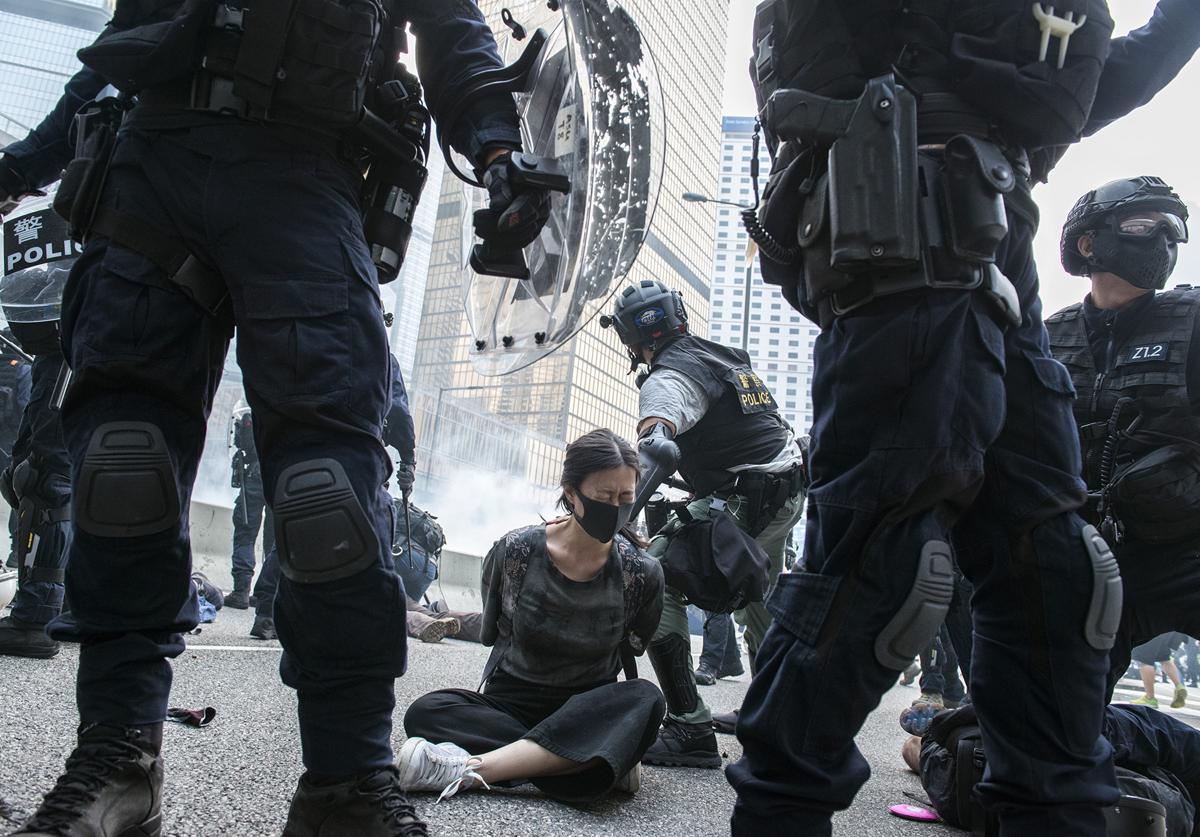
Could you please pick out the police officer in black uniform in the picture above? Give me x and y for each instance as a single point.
(239, 173)
(736, 452)
(37, 479)
(14, 395)
(1134, 357)
(248, 509)
(15, 384)
(899, 217)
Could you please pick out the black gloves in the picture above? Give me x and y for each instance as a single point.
(6, 488)
(517, 210)
(12, 187)
(406, 475)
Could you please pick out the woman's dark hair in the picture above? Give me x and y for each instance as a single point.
(600, 450)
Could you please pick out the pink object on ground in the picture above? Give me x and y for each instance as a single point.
(914, 812)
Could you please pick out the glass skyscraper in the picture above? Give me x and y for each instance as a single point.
(38, 42)
(780, 341)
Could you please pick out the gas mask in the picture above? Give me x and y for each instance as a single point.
(602, 520)
(1141, 248)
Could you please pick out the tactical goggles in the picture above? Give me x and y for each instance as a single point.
(1147, 224)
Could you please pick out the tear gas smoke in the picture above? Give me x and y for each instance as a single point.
(476, 507)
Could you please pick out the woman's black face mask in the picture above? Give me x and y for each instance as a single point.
(602, 520)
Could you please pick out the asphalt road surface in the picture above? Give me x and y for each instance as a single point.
(236, 776)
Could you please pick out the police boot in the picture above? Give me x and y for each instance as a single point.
(263, 628)
(26, 639)
(370, 805)
(239, 597)
(112, 787)
(679, 744)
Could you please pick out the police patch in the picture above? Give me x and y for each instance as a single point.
(1148, 353)
(650, 316)
(753, 395)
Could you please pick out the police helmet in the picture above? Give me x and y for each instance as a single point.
(648, 314)
(1099, 213)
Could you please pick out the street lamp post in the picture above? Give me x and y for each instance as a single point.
(696, 197)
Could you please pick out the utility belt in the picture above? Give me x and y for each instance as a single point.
(885, 214)
(764, 494)
(390, 142)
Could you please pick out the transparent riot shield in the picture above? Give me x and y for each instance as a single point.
(37, 258)
(593, 106)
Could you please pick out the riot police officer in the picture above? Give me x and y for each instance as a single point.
(737, 454)
(1133, 351)
(899, 217)
(14, 395)
(248, 508)
(15, 384)
(37, 480)
(231, 197)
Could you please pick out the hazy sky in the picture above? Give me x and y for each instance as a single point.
(1159, 139)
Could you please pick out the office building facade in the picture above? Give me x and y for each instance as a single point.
(38, 42)
(779, 340)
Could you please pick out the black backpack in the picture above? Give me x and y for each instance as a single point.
(715, 563)
(427, 535)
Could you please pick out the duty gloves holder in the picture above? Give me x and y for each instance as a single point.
(518, 184)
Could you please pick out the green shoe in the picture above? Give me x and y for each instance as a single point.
(1146, 701)
(1180, 698)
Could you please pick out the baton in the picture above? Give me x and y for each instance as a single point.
(408, 535)
(12, 345)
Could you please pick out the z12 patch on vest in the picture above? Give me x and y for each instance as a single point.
(752, 393)
(1147, 353)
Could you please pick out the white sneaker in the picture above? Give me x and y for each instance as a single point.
(631, 782)
(425, 766)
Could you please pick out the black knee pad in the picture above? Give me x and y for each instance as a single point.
(1135, 816)
(917, 621)
(127, 486)
(1104, 610)
(672, 665)
(321, 530)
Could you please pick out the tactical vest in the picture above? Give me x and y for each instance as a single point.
(295, 61)
(742, 425)
(969, 60)
(1151, 367)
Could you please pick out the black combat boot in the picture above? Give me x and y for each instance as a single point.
(112, 787)
(679, 744)
(238, 598)
(684, 745)
(26, 639)
(372, 805)
(263, 628)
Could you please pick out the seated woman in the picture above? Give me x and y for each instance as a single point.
(560, 601)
